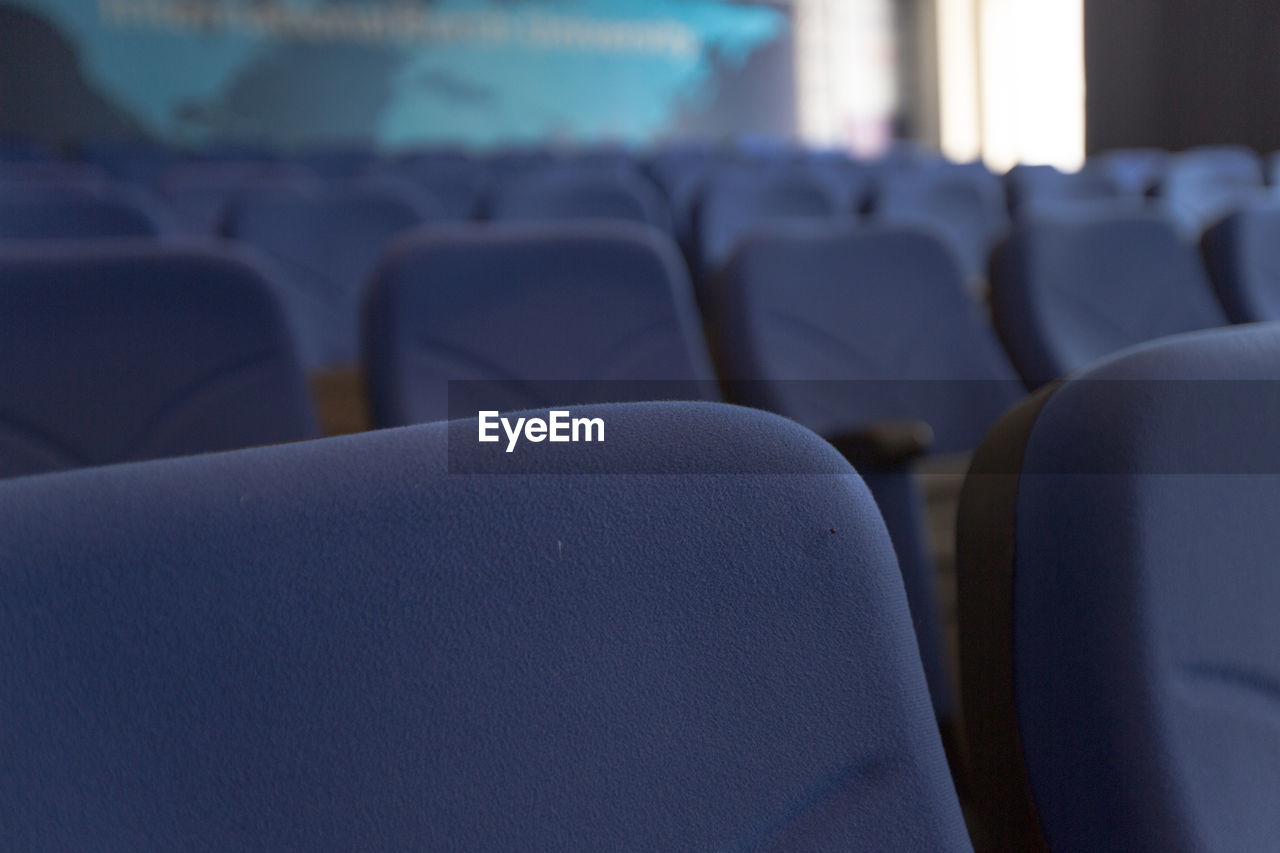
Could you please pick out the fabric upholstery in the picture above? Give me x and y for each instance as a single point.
(326, 241)
(122, 351)
(346, 644)
(1071, 288)
(537, 314)
(1242, 254)
(1140, 546)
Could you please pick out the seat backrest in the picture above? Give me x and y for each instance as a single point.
(837, 327)
(326, 240)
(1134, 171)
(1074, 286)
(458, 185)
(123, 351)
(962, 203)
(1118, 593)
(580, 192)
(408, 640)
(62, 212)
(197, 192)
(741, 202)
(50, 173)
(1242, 254)
(1032, 188)
(533, 315)
(1202, 185)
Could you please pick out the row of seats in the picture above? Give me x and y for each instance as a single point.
(410, 639)
(846, 331)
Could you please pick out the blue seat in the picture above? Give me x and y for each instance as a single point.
(1073, 287)
(50, 173)
(530, 315)
(198, 192)
(1240, 253)
(740, 203)
(116, 351)
(844, 328)
(689, 637)
(1033, 188)
(326, 240)
(1118, 592)
(134, 161)
(20, 150)
(459, 185)
(72, 212)
(335, 162)
(962, 203)
(580, 192)
(1202, 185)
(1133, 171)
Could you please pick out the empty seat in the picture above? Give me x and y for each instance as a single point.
(1118, 597)
(1133, 171)
(198, 192)
(1202, 185)
(458, 185)
(1033, 188)
(125, 350)
(578, 192)
(1071, 288)
(962, 203)
(335, 163)
(739, 203)
(843, 329)
(692, 637)
(50, 173)
(532, 316)
(63, 213)
(1241, 255)
(135, 161)
(326, 241)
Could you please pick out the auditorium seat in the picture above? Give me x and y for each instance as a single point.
(1202, 185)
(1241, 255)
(739, 203)
(845, 329)
(335, 162)
(962, 203)
(1032, 188)
(72, 212)
(530, 315)
(1118, 598)
(19, 150)
(123, 350)
(559, 193)
(197, 192)
(689, 637)
(1134, 172)
(134, 161)
(326, 240)
(458, 185)
(1073, 287)
(50, 173)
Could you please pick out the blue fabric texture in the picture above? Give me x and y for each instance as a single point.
(58, 211)
(326, 242)
(742, 202)
(1202, 185)
(963, 205)
(1145, 596)
(567, 193)
(198, 332)
(1242, 254)
(540, 314)
(1071, 288)
(840, 326)
(340, 645)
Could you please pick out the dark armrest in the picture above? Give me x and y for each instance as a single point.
(885, 445)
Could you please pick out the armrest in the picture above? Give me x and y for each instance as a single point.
(885, 445)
